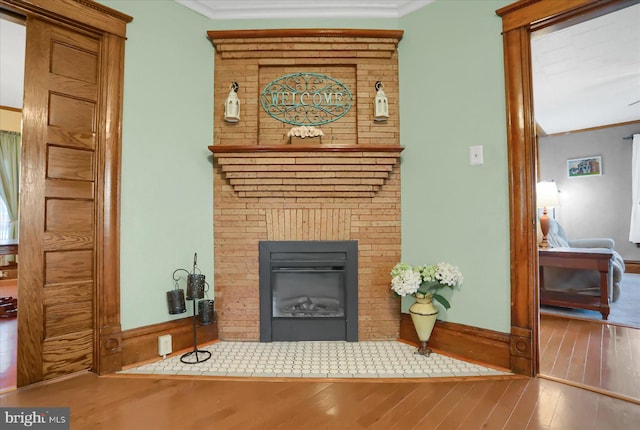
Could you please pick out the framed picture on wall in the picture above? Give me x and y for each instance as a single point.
(587, 166)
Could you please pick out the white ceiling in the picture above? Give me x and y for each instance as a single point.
(586, 75)
(12, 45)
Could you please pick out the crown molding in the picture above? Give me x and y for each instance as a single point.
(252, 9)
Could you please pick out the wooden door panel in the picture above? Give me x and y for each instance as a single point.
(71, 62)
(73, 41)
(68, 309)
(68, 266)
(69, 138)
(69, 292)
(67, 318)
(67, 354)
(65, 163)
(56, 241)
(64, 85)
(69, 215)
(68, 189)
(71, 113)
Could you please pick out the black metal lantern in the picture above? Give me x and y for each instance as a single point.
(195, 286)
(206, 313)
(175, 301)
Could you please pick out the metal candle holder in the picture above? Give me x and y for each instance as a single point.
(175, 301)
(206, 314)
(196, 287)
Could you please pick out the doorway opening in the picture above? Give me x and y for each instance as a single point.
(12, 46)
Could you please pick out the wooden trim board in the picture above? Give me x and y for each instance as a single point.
(468, 343)
(632, 267)
(141, 344)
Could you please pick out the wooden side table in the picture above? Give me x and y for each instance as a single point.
(8, 246)
(575, 258)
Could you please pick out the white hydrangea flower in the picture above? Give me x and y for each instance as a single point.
(425, 280)
(405, 280)
(448, 274)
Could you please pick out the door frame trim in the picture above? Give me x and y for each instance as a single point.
(518, 21)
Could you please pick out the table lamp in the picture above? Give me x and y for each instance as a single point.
(546, 197)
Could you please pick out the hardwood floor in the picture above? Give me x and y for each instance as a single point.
(8, 340)
(593, 354)
(129, 402)
(602, 356)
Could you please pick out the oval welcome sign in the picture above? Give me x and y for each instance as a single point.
(306, 99)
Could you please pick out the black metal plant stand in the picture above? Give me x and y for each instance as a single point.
(195, 291)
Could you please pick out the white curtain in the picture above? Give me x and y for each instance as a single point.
(634, 231)
(9, 176)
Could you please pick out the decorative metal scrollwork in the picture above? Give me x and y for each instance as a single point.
(306, 99)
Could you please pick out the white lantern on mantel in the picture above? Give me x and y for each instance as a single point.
(232, 105)
(380, 104)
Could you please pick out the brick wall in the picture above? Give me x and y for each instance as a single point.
(292, 192)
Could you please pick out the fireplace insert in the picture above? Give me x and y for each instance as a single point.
(308, 290)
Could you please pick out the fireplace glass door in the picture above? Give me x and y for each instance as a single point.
(303, 292)
(308, 290)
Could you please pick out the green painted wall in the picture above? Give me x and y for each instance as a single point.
(451, 97)
(167, 173)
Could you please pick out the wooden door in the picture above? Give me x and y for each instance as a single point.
(57, 270)
(69, 271)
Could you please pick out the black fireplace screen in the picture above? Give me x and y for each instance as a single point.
(308, 290)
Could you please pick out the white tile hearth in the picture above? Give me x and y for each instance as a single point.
(373, 359)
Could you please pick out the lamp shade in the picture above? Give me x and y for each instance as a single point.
(547, 194)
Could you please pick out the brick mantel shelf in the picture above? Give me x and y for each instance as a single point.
(219, 149)
(306, 170)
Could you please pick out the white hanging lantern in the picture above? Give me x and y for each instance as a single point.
(232, 105)
(380, 104)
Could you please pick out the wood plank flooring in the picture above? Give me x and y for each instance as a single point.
(603, 356)
(8, 340)
(128, 402)
(599, 355)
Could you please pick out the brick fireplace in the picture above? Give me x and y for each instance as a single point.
(343, 187)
